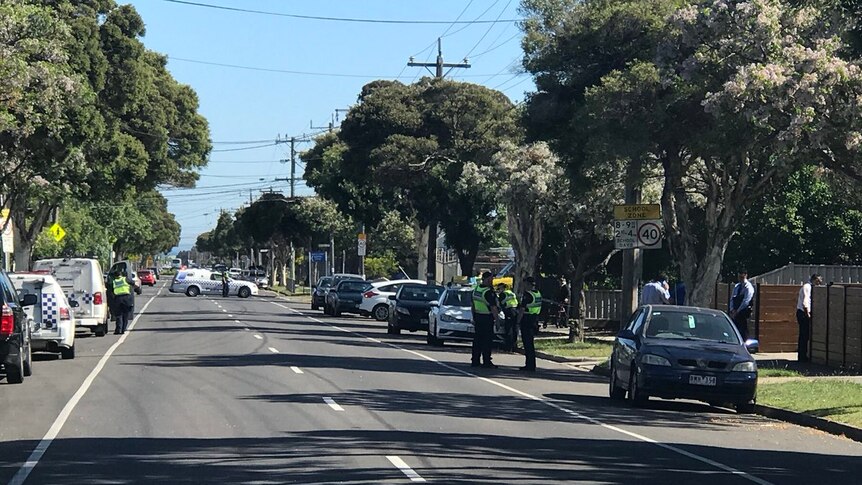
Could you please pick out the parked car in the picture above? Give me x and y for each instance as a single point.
(52, 315)
(451, 318)
(345, 297)
(194, 282)
(157, 272)
(147, 277)
(408, 309)
(683, 352)
(334, 280)
(127, 268)
(375, 300)
(318, 293)
(83, 282)
(16, 353)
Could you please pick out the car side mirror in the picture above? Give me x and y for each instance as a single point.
(435, 303)
(752, 345)
(29, 300)
(74, 304)
(626, 334)
(392, 297)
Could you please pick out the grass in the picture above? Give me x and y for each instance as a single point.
(832, 399)
(561, 348)
(777, 372)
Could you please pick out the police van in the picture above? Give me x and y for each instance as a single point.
(81, 280)
(52, 315)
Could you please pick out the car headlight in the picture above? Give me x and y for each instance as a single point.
(652, 359)
(402, 310)
(745, 367)
(447, 318)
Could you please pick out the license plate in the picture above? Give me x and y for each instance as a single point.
(424, 320)
(701, 380)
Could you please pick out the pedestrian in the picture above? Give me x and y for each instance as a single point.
(509, 303)
(741, 301)
(485, 312)
(656, 292)
(122, 289)
(225, 285)
(528, 319)
(803, 316)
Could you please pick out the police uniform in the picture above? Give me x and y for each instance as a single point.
(484, 299)
(124, 303)
(225, 286)
(531, 302)
(509, 304)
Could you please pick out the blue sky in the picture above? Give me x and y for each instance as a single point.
(247, 105)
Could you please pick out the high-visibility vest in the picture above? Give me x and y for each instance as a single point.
(509, 299)
(480, 304)
(121, 287)
(535, 307)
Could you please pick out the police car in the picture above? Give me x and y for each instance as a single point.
(194, 282)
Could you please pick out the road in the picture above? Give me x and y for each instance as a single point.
(264, 391)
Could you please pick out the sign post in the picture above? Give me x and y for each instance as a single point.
(360, 250)
(636, 227)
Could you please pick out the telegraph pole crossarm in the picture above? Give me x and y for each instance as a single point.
(439, 65)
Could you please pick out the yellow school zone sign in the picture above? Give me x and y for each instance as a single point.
(58, 232)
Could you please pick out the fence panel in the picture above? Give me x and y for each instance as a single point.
(602, 305)
(853, 332)
(775, 323)
(835, 328)
(819, 319)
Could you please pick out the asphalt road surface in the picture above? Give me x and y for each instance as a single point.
(209, 389)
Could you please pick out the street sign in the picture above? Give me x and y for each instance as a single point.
(360, 244)
(637, 212)
(638, 234)
(649, 234)
(625, 234)
(8, 235)
(58, 232)
(318, 256)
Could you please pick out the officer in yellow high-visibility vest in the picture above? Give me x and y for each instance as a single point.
(528, 319)
(121, 287)
(485, 312)
(509, 303)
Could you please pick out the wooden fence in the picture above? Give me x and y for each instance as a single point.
(602, 306)
(773, 319)
(836, 336)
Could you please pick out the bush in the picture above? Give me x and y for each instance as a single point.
(381, 266)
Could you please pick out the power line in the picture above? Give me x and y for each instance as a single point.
(488, 31)
(246, 148)
(476, 20)
(501, 44)
(339, 19)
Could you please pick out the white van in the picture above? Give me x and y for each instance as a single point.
(83, 282)
(54, 329)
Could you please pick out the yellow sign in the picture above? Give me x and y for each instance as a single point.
(58, 232)
(641, 212)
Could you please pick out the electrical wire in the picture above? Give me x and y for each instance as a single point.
(245, 148)
(488, 31)
(476, 21)
(337, 19)
(501, 44)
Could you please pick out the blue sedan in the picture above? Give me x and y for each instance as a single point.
(683, 352)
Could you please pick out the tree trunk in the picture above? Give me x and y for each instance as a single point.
(431, 275)
(25, 235)
(420, 237)
(526, 236)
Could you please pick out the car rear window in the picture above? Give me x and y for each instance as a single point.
(420, 293)
(687, 325)
(458, 298)
(353, 286)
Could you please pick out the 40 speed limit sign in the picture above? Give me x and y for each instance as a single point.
(642, 234)
(649, 234)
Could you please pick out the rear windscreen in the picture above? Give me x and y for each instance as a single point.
(353, 286)
(420, 293)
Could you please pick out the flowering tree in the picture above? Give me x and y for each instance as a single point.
(530, 182)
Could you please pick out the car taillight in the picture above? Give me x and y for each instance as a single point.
(64, 314)
(97, 298)
(370, 294)
(7, 321)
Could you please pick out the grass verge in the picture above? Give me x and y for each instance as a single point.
(777, 372)
(588, 349)
(830, 399)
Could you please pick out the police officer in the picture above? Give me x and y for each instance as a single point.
(528, 319)
(121, 288)
(225, 286)
(509, 303)
(485, 310)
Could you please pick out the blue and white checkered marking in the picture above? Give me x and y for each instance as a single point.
(50, 310)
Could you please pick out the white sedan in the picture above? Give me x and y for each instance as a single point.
(375, 301)
(195, 282)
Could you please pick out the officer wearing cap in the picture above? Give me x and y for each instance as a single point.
(528, 319)
(485, 311)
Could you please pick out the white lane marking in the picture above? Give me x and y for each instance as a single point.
(224, 310)
(258, 337)
(334, 405)
(61, 419)
(296, 369)
(675, 449)
(405, 468)
(237, 321)
(247, 329)
(273, 350)
(229, 315)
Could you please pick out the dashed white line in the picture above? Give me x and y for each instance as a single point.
(258, 337)
(273, 350)
(675, 449)
(405, 469)
(224, 310)
(247, 329)
(334, 405)
(296, 369)
(229, 315)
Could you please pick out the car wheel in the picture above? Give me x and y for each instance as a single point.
(15, 372)
(434, 341)
(745, 407)
(381, 313)
(393, 330)
(27, 365)
(315, 307)
(193, 291)
(68, 353)
(335, 311)
(637, 397)
(244, 292)
(617, 393)
(101, 330)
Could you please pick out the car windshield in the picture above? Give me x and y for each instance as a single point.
(324, 283)
(353, 286)
(694, 326)
(420, 293)
(458, 298)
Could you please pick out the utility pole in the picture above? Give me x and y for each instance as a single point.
(632, 258)
(439, 65)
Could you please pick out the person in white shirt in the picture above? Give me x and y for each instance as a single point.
(803, 316)
(741, 302)
(656, 292)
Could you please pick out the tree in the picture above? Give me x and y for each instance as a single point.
(223, 241)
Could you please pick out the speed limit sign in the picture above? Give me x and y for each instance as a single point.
(649, 234)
